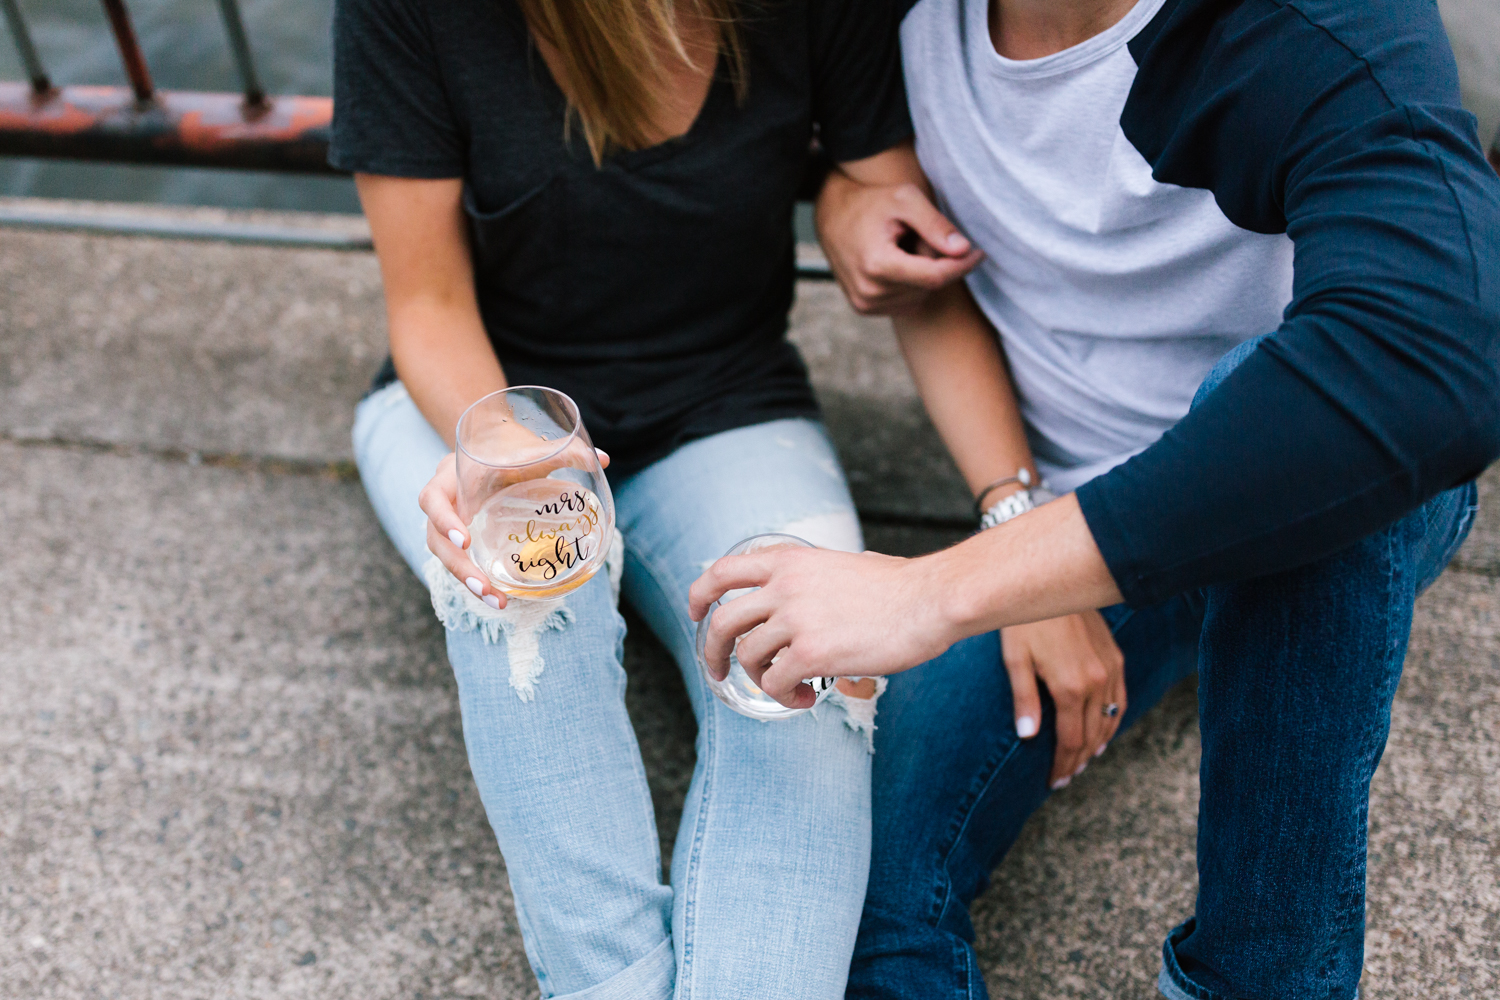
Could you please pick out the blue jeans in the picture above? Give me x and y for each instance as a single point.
(1296, 673)
(768, 872)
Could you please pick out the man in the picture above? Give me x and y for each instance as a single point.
(1147, 178)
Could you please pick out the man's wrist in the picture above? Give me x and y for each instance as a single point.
(958, 594)
(1042, 565)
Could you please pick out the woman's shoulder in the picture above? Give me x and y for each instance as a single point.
(441, 24)
(415, 80)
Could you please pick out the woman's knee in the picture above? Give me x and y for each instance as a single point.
(835, 738)
(576, 641)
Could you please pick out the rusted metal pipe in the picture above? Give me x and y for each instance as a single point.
(239, 45)
(24, 47)
(178, 128)
(130, 50)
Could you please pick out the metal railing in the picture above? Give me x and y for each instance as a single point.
(249, 130)
(140, 124)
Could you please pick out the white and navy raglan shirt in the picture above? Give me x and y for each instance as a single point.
(1202, 173)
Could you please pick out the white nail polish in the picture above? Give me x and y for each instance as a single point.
(1061, 783)
(1080, 769)
(456, 537)
(492, 601)
(1026, 727)
(956, 241)
(475, 586)
(1100, 751)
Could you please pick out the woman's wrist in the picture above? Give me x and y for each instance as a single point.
(998, 489)
(1007, 508)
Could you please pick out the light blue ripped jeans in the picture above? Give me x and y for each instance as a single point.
(771, 859)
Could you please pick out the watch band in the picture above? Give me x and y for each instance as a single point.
(1022, 476)
(1012, 506)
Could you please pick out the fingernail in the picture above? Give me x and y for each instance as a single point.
(1061, 783)
(956, 241)
(456, 537)
(1100, 751)
(1026, 727)
(1080, 769)
(475, 586)
(492, 601)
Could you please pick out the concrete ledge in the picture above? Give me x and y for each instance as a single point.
(221, 348)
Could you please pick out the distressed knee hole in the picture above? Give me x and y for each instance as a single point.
(861, 687)
(520, 623)
(856, 697)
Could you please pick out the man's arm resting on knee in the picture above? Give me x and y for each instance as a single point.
(837, 614)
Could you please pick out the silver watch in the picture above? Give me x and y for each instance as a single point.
(1015, 505)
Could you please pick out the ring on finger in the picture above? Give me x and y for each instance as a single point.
(1111, 710)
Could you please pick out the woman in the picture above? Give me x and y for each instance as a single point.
(597, 197)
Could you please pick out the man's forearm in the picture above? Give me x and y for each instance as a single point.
(1041, 565)
(824, 614)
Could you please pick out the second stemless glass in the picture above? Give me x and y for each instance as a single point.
(532, 492)
(737, 690)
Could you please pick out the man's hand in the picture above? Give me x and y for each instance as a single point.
(832, 614)
(819, 614)
(888, 246)
(1076, 658)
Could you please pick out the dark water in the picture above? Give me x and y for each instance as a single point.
(186, 50)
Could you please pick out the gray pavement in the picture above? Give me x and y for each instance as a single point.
(231, 761)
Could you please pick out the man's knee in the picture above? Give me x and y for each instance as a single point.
(1229, 362)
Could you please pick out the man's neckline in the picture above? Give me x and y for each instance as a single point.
(1088, 51)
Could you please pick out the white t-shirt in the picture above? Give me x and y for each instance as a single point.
(1113, 294)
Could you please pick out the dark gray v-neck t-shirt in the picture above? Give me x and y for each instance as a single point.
(653, 290)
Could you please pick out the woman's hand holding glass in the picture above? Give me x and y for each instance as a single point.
(521, 508)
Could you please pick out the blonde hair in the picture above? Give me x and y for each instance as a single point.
(611, 55)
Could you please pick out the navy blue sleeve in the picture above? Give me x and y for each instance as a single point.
(1338, 123)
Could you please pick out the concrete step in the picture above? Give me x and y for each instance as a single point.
(231, 760)
(231, 764)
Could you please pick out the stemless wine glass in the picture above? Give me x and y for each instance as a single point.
(532, 491)
(737, 690)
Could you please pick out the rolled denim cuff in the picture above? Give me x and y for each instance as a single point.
(1173, 983)
(650, 978)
